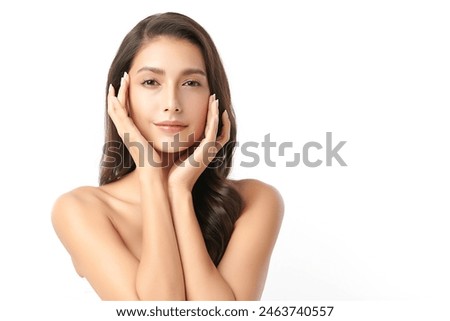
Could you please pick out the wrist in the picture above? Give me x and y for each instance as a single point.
(150, 176)
(177, 191)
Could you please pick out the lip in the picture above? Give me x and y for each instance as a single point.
(171, 126)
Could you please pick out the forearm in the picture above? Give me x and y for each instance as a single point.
(203, 281)
(160, 273)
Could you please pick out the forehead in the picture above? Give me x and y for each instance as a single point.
(169, 53)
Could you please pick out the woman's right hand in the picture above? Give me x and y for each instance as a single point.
(137, 145)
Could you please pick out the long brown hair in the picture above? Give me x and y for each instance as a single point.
(216, 202)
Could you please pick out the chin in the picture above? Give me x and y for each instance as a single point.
(175, 144)
(171, 146)
(167, 149)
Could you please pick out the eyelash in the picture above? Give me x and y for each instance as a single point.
(150, 82)
(195, 83)
(153, 82)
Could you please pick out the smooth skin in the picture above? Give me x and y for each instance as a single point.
(138, 238)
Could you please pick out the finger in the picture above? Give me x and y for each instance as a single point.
(111, 96)
(209, 113)
(123, 90)
(126, 93)
(212, 121)
(207, 149)
(114, 106)
(118, 114)
(112, 112)
(226, 129)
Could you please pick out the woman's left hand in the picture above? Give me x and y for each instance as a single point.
(186, 171)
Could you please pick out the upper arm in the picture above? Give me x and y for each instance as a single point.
(246, 260)
(97, 250)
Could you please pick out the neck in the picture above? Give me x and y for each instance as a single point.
(167, 161)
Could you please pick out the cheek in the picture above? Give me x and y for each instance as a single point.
(199, 116)
(141, 105)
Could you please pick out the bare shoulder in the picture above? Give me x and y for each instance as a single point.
(263, 207)
(259, 195)
(253, 238)
(80, 201)
(76, 214)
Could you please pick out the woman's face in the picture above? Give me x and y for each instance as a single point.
(169, 93)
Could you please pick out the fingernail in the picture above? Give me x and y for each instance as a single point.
(110, 88)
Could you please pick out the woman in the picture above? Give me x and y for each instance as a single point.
(165, 222)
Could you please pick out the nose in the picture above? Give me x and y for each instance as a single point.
(174, 108)
(171, 102)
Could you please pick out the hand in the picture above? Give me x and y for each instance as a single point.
(187, 170)
(137, 145)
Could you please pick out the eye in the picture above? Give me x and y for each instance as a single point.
(191, 83)
(150, 82)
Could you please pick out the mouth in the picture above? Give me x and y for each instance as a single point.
(171, 126)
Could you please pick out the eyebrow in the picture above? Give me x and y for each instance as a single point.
(185, 72)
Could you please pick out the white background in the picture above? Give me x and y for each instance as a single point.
(374, 73)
